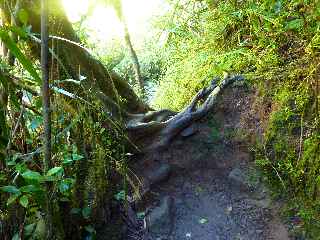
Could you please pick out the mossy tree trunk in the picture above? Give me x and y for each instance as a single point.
(149, 130)
(115, 93)
(78, 61)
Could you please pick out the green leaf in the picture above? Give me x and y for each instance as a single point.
(67, 160)
(21, 32)
(23, 16)
(12, 199)
(120, 195)
(10, 189)
(25, 62)
(295, 24)
(36, 122)
(31, 175)
(16, 236)
(141, 215)
(49, 178)
(64, 187)
(30, 189)
(90, 229)
(203, 220)
(54, 171)
(75, 211)
(76, 157)
(3, 177)
(86, 212)
(20, 167)
(24, 201)
(29, 229)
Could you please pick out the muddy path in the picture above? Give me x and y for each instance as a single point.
(205, 186)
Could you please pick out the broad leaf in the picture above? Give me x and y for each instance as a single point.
(31, 175)
(75, 211)
(86, 212)
(54, 171)
(23, 16)
(24, 201)
(10, 189)
(29, 189)
(120, 195)
(36, 122)
(29, 229)
(64, 186)
(12, 199)
(90, 229)
(77, 157)
(16, 236)
(203, 220)
(25, 62)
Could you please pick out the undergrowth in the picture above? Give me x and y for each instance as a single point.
(276, 46)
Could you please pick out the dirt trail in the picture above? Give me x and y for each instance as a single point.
(209, 191)
(207, 206)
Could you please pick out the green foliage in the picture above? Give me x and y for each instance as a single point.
(87, 147)
(25, 62)
(207, 40)
(275, 44)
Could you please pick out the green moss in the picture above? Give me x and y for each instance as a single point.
(275, 44)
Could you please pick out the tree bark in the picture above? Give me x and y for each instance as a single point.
(154, 131)
(47, 163)
(78, 61)
(117, 5)
(135, 60)
(160, 127)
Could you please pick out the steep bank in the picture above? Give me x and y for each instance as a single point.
(205, 185)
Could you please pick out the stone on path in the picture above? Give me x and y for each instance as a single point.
(160, 220)
(239, 179)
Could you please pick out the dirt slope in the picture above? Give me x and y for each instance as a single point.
(213, 190)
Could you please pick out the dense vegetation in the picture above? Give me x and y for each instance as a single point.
(275, 45)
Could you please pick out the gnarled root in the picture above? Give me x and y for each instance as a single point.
(155, 130)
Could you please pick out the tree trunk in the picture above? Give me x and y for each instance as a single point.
(159, 127)
(78, 61)
(117, 5)
(150, 131)
(134, 58)
(47, 163)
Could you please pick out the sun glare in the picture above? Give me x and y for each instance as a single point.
(103, 24)
(75, 9)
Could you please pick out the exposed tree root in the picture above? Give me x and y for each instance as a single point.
(155, 130)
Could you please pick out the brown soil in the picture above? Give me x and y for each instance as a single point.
(200, 182)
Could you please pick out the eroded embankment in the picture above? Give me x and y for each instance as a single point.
(204, 185)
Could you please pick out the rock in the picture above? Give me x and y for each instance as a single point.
(160, 219)
(153, 176)
(239, 179)
(159, 174)
(264, 203)
(240, 83)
